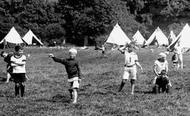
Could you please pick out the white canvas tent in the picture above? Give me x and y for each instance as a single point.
(30, 38)
(12, 37)
(182, 39)
(138, 38)
(117, 36)
(159, 37)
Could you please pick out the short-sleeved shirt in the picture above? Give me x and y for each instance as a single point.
(160, 66)
(19, 69)
(130, 58)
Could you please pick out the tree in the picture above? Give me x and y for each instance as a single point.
(85, 18)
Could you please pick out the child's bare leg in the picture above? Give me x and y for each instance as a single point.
(8, 77)
(132, 86)
(154, 81)
(75, 95)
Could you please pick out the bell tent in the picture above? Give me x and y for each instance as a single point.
(11, 39)
(31, 39)
(182, 39)
(117, 36)
(138, 38)
(158, 38)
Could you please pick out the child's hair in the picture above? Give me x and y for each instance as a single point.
(2, 53)
(17, 48)
(73, 51)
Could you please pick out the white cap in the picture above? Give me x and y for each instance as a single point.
(162, 55)
(73, 50)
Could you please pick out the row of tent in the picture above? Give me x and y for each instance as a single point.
(117, 36)
(14, 37)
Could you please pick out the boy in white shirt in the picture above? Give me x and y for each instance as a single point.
(130, 69)
(18, 61)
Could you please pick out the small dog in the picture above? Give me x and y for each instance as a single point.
(162, 83)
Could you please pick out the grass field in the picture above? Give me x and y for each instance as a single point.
(47, 90)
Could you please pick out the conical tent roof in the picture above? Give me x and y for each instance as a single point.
(182, 39)
(158, 36)
(12, 37)
(117, 36)
(29, 36)
(138, 38)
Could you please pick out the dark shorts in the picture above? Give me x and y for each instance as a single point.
(18, 77)
(132, 81)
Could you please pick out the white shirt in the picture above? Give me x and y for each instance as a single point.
(130, 58)
(178, 50)
(160, 66)
(18, 68)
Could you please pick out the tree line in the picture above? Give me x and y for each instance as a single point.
(85, 21)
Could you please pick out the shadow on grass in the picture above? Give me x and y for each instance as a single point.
(57, 98)
(144, 92)
(2, 79)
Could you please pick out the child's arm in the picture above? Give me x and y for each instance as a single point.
(79, 71)
(63, 61)
(122, 49)
(139, 65)
(154, 69)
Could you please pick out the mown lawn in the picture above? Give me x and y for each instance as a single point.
(47, 95)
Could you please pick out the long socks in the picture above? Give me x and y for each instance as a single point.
(22, 88)
(19, 88)
(121, 86)
(16, 89)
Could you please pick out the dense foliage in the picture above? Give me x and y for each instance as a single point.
(56, 20)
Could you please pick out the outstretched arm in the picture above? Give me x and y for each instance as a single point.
(122, 49)
(63, 61)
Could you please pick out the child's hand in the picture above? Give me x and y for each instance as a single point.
(51, 55)
(141, 69)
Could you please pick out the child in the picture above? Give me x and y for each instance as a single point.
(73, 71)
(130, 69)
(7, 59)
(160, 64)
(175, 61)
(178, 51)
(162, 83)
(18, 62)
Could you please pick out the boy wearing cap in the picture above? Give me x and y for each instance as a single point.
(7, 59)
(159, 65)
(73, 71)
(18, 62)
(130, 69)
